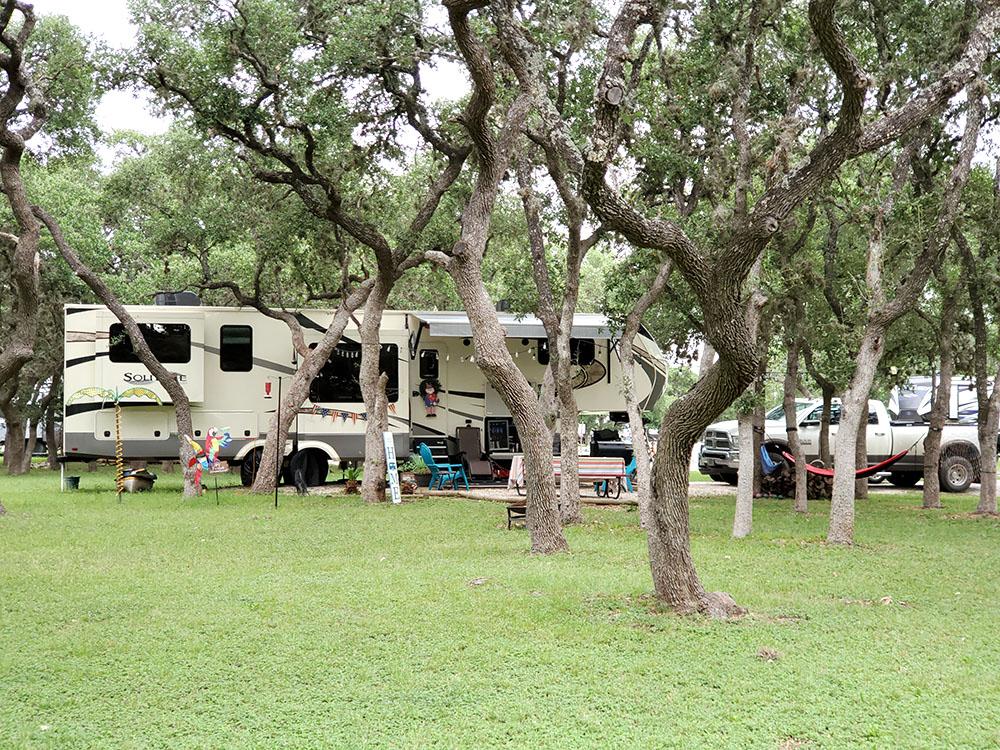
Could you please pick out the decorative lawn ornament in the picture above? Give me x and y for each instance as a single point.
(205, 458)
(430, 390)
(114, 396)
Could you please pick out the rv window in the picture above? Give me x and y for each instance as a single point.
(170, 342)
(582, 351)
(429, 364)
(339, 380)
(236, 348)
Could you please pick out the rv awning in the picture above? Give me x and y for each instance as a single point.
(585, 325)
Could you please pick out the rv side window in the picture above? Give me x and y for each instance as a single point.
(169, 342)
(340, 379)
(582, 351)
(236, 348)
(429, 364)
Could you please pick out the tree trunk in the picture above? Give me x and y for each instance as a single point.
(51, 438)
(801, 504)
(861, 456)
(373, 483)
(30, 443)
(639, 446)
(826, 417)
(707, 359)
(675, 580)
(743, 518)
(169, 381)
(24, 270)
(626, 350)
(853, 414)
(569, 457)
(298, 389)
(939, 408)
(988, 430)
(378, 422)
(496, 363)
(14, 447)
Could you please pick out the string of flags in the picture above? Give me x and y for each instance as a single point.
(343, 416)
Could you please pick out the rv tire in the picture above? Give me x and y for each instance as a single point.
(313, 466)
(248, 469)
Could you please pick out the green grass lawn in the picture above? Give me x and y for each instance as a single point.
(160, 623)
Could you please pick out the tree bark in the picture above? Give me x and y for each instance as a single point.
(24, 268)
(801, 504)
(559, 325)
(298, 389)
(464, 264)
(988, 430)
(743, 517)
(942, 400)
(373, 391)
(626, 349)
(14, 446)
(861, 456)
(494, 360)
(51, 438)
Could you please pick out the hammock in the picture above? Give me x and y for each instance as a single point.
(768, 464)
(859, 473)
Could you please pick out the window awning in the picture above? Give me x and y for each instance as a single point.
(585, 325)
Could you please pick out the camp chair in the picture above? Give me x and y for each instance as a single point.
(441, 473)
(470, 448)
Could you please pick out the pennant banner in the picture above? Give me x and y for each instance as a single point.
(343, 416)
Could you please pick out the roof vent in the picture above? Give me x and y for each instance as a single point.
(177, 299)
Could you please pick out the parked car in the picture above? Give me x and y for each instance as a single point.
(959, 464)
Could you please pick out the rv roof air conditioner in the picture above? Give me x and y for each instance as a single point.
(177, 299)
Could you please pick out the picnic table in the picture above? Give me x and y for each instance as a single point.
(598, 470)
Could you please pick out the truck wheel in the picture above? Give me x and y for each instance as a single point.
(955, 473)
(905, 478)
(248, 469)
(731, 479)
(717, 477)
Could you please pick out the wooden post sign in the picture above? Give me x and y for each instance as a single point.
(391, 469)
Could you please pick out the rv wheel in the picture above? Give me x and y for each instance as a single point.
(248, 469)
(313, 466)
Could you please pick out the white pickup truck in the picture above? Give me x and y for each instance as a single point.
(719, 456)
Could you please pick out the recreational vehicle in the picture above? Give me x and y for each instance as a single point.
(233, 362)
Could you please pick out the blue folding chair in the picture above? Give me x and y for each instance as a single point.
(441, 473)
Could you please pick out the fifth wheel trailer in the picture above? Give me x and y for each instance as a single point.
(229, 361)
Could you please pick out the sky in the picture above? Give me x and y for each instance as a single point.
(108, 19)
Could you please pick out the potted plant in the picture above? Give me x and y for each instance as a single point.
(352, 479)
(413, 472)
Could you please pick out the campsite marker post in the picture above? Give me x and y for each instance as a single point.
(390, 466)
(280, 450)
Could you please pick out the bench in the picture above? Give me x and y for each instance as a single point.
(597, 470)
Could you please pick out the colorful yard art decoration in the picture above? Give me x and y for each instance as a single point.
(114, 396)
(342, 415)
(205, 458)
(430, 392)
